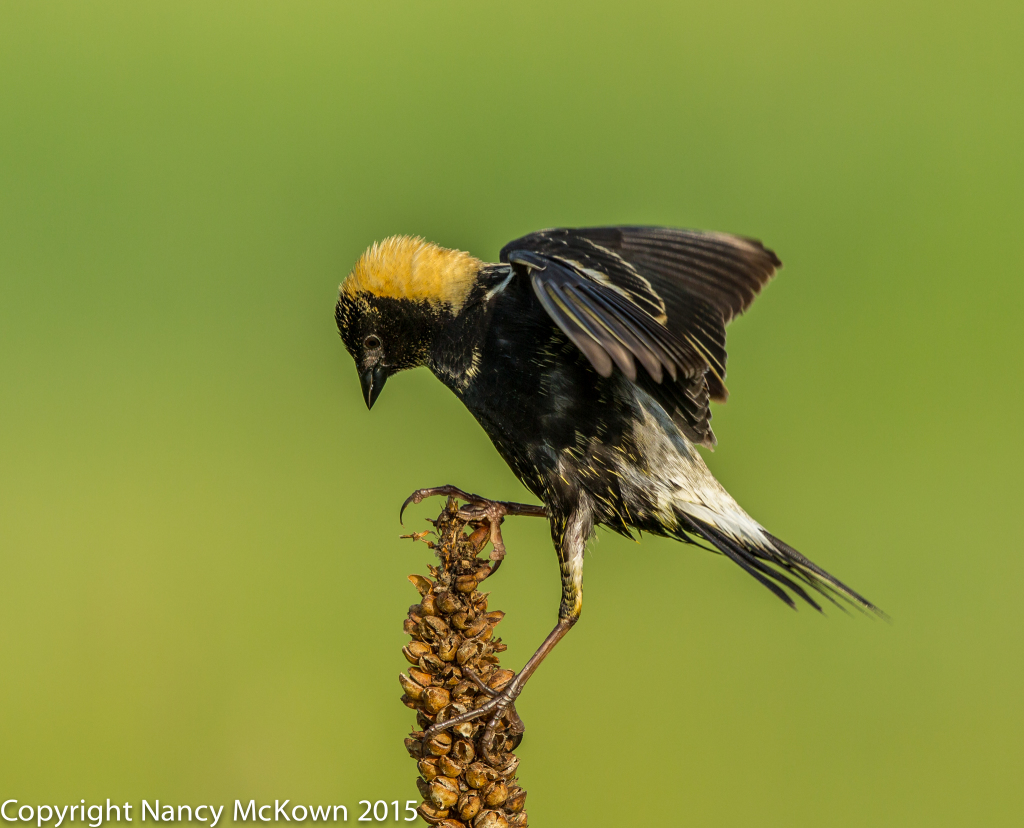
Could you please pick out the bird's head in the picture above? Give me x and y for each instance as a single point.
(397, 297)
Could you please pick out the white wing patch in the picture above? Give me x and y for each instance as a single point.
(683, 481)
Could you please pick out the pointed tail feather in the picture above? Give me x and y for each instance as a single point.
(778, 566)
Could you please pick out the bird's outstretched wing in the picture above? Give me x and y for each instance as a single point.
(653, 295)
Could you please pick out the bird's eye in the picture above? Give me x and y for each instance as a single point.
(371, 342)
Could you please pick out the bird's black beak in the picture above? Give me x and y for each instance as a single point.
(372, 380)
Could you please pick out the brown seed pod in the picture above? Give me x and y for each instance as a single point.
(448, 604)
(437, 625)
(498, 679)
(447, 649)
(516, 799)
(415, 650)
(469, 650)
(430, 663)
(449, 766)
(431, 813)
(469, 805)
(490, 819)
(495, 794)
(463, 751)
(479, 775)
(428, 768)
(453, 641)
(412, 689)
(477, 627)
(435, 699)
(423, 585)
(444, 791)
(439, 744)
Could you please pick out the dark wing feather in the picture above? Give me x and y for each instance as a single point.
(653, 295)
(727, 271)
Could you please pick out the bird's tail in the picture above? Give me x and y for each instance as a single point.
(775, 564)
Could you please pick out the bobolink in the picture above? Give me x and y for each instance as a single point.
(589, 356)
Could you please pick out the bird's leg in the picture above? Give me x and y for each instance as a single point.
(503, 703)
(570, 537)
(480, 508)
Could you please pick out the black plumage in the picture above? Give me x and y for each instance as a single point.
(589, 356)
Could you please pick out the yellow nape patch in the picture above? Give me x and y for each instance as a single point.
(403, 267)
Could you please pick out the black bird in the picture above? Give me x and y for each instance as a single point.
(589, 356)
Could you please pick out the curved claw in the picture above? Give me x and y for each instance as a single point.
(410, 499)
(422, 494)
(514, 729)
(485, 506)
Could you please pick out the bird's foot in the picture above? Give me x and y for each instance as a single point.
(479, 509)
(515, 724)
(500, 705)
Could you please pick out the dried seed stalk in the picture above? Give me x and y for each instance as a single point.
(464, 782)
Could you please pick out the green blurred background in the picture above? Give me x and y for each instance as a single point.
(202, 583)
